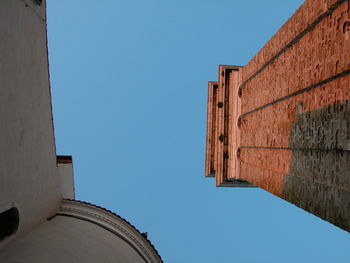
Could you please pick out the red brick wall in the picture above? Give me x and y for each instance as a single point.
(210, 138)
(293, 138)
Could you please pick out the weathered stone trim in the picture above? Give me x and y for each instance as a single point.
(112, 223)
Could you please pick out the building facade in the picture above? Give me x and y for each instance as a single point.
(39, 219)
(282, 122)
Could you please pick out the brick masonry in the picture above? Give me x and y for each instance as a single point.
(284, 124)
(210, 139)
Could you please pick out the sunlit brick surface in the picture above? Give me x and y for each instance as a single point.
(210, 141)
(288, 131)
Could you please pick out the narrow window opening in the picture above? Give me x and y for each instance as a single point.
(9, 220)
(38, 2)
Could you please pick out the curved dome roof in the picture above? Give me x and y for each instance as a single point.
(82, 232)
(112, 223)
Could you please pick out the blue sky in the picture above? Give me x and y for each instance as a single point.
(129, 87)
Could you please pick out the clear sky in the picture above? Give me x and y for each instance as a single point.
(129, 86)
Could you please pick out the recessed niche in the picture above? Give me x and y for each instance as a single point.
(9, 220)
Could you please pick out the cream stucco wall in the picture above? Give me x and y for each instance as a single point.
(28, 173)
(50, 229)
(65, 173)
(82, 232)
(67, 239)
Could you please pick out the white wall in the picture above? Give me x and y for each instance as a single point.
(28, 174)
(70, 240)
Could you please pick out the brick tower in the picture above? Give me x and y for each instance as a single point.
(282, 122)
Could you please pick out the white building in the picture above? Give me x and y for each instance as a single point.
(39, 219)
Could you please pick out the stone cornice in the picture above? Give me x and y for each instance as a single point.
(112, 223)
